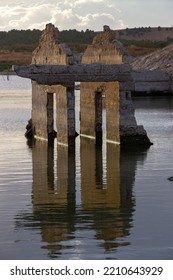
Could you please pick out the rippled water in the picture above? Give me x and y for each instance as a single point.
(84, 203)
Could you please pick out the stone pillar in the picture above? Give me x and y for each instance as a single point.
(42, 112)
(112, 112)
(91, 110)
(65, 115)
(87, 111)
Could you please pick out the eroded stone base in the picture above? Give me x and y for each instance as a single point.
(134, 136)
(135, 140)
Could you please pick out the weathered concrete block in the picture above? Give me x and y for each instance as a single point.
(65, 115)
(88, 110)
(112, 112)
(42, 112)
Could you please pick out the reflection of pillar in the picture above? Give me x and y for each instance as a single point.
(89, 191)
(53, 205)
(66, 171)
(112, 112)
(43, 172)
(102, 200)
(94, 194)
(113, 174)
(99, 166)
(65, 120)
(98, 117)
(42, 111)
(91, 110)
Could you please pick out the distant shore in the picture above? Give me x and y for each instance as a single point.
(7, 73)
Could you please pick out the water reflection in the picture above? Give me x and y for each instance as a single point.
(54, 198)
(105, 206)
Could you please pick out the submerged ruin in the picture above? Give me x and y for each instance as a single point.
(104, 72)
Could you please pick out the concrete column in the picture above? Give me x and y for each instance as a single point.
(42, 111)
(65, 115)
(91, 110)
(112, 112)
(87, 110)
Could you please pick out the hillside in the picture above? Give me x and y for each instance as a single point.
(154, 34)
(16, 46)
(158, 60)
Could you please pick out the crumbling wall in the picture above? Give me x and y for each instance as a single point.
(51, 51)
(119, 106)
(106, 49)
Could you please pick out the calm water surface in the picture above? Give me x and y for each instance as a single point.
(85, 203)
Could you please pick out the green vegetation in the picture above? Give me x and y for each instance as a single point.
(16, 46)
(77, 37)
(27, 40)
(5, 67)
(19, 37)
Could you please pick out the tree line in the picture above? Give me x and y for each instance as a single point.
(28, 39)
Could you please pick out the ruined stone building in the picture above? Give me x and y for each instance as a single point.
(104, 74)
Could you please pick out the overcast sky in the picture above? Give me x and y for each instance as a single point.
(83, 14)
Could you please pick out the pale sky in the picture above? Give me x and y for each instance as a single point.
(83, 14)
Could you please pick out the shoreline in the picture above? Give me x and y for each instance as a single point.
(7, 73)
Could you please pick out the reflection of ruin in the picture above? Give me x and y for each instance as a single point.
(95, 192)
(54, 198)
(105, 205)
(104, 200)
